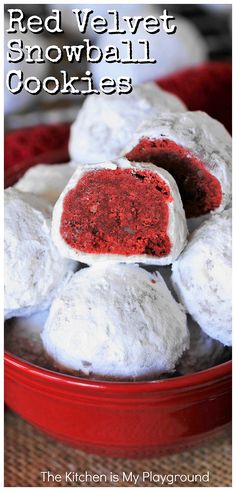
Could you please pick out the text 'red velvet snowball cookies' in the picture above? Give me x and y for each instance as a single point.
(120, 211)
(196, 150)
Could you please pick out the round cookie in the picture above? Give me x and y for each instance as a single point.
(105, 123)
(47, 181)
(34, 269)
(120, 212)
(117, 322)
(201, 277)
(195, 149)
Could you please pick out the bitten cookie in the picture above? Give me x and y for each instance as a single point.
(120, 212)
(116, 321)
(34, 269)
(202, 277)
(105, 123)
(196, 150)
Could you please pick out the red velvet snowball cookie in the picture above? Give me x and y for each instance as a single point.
(196, 150)
(120, 212)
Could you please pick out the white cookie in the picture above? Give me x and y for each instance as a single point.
(202, 277)
(34, 269)
(116, 321)
(47, 181)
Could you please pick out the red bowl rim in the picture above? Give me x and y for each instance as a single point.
(188, 382)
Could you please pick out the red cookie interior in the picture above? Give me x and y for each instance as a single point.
(200, 191)
(120, 211)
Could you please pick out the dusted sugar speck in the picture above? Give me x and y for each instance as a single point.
(202, 277)
(34, 269)
(116, 321)
(196, 150)
(120, 212)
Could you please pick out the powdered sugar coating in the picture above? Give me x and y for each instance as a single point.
(177, 227)
(105, 123)
(203, 136)
(116, 321)
(202, 277)
(47, 181)
(34, 270)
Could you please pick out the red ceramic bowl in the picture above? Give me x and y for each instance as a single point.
(136, 419)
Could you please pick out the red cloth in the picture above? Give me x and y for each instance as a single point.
(39, 144)
(207, 88)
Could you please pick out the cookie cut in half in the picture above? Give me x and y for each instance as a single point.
(120, 212)
(196, 150)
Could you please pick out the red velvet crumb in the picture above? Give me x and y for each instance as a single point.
(200, 191)
(120, 211)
